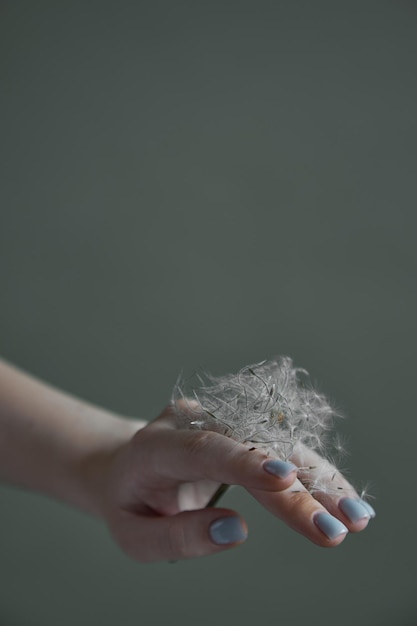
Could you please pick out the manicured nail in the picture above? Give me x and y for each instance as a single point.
(329, 525)
(354, 509)
(368, 507)
(279, 468)
(227, 530)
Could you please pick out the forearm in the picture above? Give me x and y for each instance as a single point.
(54, 443)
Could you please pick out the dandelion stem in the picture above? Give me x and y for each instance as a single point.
(217, 495)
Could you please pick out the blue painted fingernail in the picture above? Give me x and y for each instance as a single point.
(368, 507)
(354, 509)
(279, 468)
(329, 525)
(227, 530)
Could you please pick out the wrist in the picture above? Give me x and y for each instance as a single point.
(55, 443)
(92, 471)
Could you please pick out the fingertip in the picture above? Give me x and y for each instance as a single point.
(280, 469)
(228, 531)
(333, 530)
(369, 508)
(355, 514)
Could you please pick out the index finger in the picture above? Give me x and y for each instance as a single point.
(165, 456)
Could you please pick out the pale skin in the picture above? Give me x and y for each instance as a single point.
(150, 481)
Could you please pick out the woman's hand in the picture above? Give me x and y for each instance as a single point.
(155, 488)
(151, 482)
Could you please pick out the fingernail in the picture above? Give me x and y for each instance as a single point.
(368, 507)
(279, 468)
(329, 525)
(227, 530)
(354, 509)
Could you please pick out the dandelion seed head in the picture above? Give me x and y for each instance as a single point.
(271, 404)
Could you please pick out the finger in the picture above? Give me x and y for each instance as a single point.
(182, 536)
(165, 456)
(301, 512)
(330, 487)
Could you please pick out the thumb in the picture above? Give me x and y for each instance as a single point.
(185, 535)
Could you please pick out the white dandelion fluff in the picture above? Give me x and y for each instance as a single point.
(271, 404)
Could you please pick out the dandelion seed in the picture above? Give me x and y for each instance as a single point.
(365, 495)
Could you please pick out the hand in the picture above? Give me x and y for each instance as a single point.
(151, 482)
(154, 488)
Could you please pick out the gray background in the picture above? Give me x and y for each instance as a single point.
(208, 184)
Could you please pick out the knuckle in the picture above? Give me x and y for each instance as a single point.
(198, 443)
(142, 436)
(133, 550)
(300, 501)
